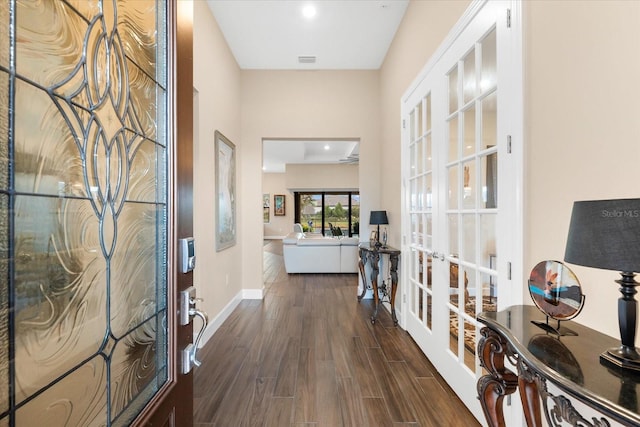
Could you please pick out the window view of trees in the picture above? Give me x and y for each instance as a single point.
(328, 213)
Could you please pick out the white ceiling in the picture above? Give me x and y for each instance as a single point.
(344, 34)
(277, 153)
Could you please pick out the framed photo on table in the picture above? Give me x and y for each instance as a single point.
(279, 205)
(225, 192)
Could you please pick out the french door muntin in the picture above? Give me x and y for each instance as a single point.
(457, 228)
(471, 197)
(420, 210)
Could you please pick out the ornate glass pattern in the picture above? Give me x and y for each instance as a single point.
(83, 214)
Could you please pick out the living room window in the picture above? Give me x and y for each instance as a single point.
(328, 213)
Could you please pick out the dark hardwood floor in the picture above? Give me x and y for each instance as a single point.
(307, 355)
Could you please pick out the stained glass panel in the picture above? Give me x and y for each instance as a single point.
(4, 300)
(133, 268)
(144, 102)
(47, 156)
(84, 230)
(59, 289)
(137, 27)
(4, 34)
(133, 366)
(4, 131)
(50, 39)
(79, 399)
(86, 8)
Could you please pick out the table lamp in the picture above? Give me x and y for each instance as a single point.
(606, 234)
(377, 218)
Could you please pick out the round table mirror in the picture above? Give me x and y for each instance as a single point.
(555, 290)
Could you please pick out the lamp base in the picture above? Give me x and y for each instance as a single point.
(622, 357)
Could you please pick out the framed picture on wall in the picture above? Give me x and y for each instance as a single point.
(265, 207)
(225, 162)
(278, 205)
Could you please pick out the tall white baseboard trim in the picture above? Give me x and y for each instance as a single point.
(215, 323)
(252, 293)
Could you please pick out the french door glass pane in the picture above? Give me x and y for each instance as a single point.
(420, 156)
(453, 187)
(427, 112)
(453, 234)
(419, 120)
(453, 90)
(488, 75)
(469, 77)
(469, 238)
(489, 175)
(469, 132)
(453, 138)
(414, 160)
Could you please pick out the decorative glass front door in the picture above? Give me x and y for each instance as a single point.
(83, 210)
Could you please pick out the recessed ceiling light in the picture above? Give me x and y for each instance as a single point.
(309, 11)
(326, 147)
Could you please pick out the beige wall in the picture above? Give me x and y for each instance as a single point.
(582, 128)
(278, 226)
(218, 275)
(422, 30)
(303, 104)
(322, 177)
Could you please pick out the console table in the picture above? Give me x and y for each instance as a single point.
(371, 254)
(570, 363)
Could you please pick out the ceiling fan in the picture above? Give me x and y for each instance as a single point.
(350, 159)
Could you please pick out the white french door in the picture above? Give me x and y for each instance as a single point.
(461, 177)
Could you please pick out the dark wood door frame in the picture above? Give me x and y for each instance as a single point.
(173, 405)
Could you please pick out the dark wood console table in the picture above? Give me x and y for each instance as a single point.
(371, 254)
(570, 363)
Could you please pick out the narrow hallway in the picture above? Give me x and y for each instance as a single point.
(308, 355)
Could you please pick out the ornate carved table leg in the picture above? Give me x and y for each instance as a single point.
(375, 258)
(493, 387)
(361, 262)
(529, 396)
(394, 286)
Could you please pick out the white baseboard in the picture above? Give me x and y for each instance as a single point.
(215, 323)
(253, 293)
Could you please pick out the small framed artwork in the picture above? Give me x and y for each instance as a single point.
(265, 207)
(225, 162)
(278, 205)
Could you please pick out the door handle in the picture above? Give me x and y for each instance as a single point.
(187, 312)
(205, 321)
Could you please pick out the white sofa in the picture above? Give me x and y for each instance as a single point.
(309, 254)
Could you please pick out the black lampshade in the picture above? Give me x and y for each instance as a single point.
(605, 234)
(378, 217)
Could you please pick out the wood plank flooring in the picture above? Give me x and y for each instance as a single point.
(307, 355)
